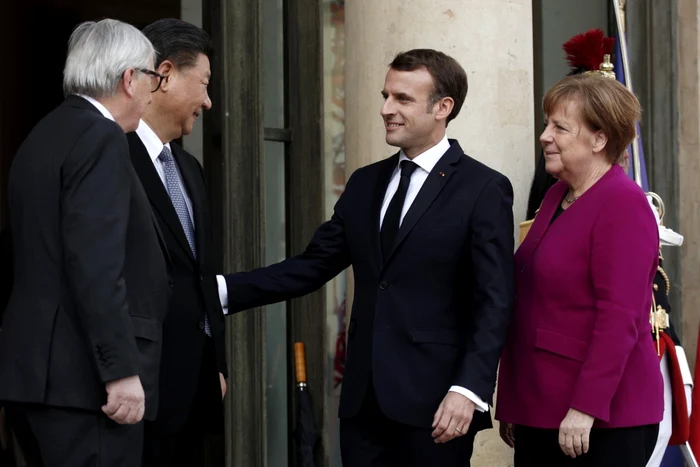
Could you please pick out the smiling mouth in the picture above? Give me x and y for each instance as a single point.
(393, 126)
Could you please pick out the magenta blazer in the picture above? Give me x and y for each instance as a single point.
(580, 335)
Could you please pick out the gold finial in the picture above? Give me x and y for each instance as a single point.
(606, 68)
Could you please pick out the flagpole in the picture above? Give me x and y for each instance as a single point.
(628, 82)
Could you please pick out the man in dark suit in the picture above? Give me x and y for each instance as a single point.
(193, 364)
(429, 233)
(81, 336)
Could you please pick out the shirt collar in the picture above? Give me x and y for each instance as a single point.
(103, 110)
(149, 138)
(428, 159)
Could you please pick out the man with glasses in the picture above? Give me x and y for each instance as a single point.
(81, 336)
(193, 363)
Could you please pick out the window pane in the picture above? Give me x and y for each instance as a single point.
(276, 319)
(273, 64)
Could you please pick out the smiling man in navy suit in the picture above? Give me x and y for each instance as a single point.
(429, 233)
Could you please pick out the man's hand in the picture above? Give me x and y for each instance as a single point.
(506, 432)
(574, 433)
(453, 417)
(126, 401)
(222, 382)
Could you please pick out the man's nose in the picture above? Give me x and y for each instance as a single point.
(387, 108)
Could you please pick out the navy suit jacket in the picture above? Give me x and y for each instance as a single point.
(194, 290)
(433, 313)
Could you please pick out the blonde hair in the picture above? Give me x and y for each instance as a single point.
(605, 105)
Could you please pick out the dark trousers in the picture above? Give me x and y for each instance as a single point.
(370, 439)
(61, 437)
(609, 447)
(185, 446)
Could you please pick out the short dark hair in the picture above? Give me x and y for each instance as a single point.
(178, 41)
(449, 78)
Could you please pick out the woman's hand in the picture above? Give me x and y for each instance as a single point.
(506, 431)
(574, 433)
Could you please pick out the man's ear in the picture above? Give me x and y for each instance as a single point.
(166, 68)
(128, 79)
(443, 108)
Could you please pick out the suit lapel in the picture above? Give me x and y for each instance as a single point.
(433, 185)
(189, 180)
(161, 241)
(386, 169)
(544, 216)
(157, 194)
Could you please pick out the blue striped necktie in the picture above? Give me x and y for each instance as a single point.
(172, 184)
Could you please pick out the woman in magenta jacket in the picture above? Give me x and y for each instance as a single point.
(579, 382)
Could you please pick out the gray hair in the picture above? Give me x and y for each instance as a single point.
(98, 55)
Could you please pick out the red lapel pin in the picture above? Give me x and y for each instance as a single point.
(442, 174)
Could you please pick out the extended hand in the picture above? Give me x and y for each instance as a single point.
(506, 432)
(126, 401)
(222, 382)
(453, 417)
(574, 433)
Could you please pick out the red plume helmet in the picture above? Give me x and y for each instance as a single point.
(585, 52)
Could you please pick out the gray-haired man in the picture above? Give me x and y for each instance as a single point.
(80, 343)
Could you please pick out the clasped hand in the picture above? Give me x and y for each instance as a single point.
(453, 417)
(126, 402)
(574, 433)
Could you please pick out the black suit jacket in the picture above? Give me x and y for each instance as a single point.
(91, 284)
(195, 290)
(5, 269)
(434, 313)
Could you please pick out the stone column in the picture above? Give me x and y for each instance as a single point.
(492, 40)
(689, 169)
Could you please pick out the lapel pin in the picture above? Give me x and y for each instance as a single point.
(442, 174)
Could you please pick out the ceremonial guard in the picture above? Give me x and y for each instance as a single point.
(674, 429)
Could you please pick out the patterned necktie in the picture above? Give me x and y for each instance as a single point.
(392, 217)
(172, 184)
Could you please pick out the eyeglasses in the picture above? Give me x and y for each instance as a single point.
(156, 75)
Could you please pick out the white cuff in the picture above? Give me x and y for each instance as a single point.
(481, 406)
(223, 293)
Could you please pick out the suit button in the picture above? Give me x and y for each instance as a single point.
(201, 325)
(383, 285)
(171, 283)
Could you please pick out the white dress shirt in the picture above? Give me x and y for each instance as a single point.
(154, 146)
(425, 161)
(103, 110)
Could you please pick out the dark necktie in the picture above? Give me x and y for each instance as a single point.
(392, 217)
